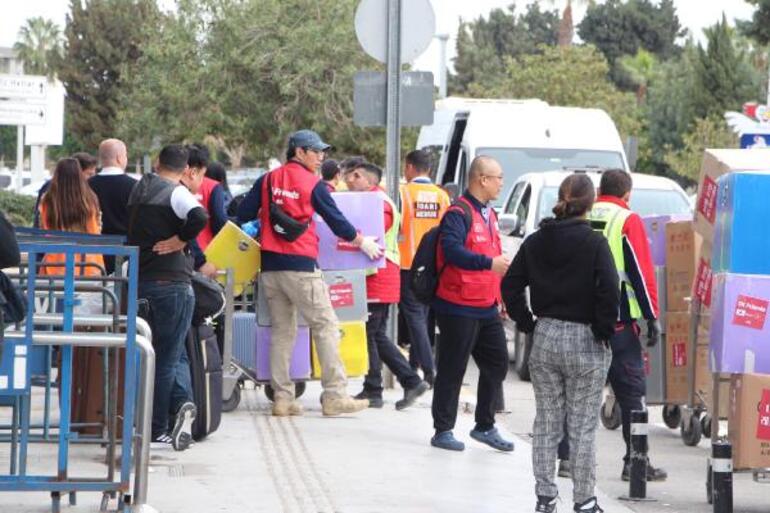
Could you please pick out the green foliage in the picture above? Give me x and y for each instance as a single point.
(7, 144)
(243, 75)
(621, 28)
(39, 46)
(20, 209)
(709, 132)
(724, 77)
(483, 45)
(758, 28)
(568, 76)
(104, 39)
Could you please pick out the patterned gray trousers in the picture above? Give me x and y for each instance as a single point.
(568, 369)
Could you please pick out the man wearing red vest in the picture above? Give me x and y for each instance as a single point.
(382, 289)
(467, 307)
(285, 200)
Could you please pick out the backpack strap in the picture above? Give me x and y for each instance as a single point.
(465, 207)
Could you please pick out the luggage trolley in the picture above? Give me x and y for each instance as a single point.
(20, 349)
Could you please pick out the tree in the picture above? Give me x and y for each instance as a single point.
(570, 76)
(623, 28)
(484, 44)
(103, 43)
(759, 26)
(237, 75)
(39, 46)
(640, 69)
(711, 132)
(724, 78)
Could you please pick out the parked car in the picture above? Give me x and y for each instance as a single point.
(523, 135)
(531, 199)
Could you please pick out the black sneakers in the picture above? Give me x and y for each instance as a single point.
(589, 506)
(181, 435)
(375, 401)
(411, 395)
(545, 504)
(653, 473)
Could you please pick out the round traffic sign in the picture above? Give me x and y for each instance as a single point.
(418, 24)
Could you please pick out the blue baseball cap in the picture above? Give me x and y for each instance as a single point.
(308, 139)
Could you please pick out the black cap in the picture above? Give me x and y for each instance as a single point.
(308, 139)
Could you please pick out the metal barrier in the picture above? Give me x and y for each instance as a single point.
(17, 355)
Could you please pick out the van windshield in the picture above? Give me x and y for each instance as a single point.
(517, 161)
(645, 202)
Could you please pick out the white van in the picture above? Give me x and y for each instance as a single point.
(525, 136)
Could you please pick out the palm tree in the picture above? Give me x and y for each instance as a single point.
(39, 45)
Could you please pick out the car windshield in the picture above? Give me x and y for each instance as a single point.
(517, 161)
(645, 202)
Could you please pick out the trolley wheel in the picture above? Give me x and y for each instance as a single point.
(233, 401)
(709, 485)
(705, 424)
(299, 389)
(672, 416)
(691, 431)
(611, 420)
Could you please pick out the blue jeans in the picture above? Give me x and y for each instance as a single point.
(170, 316)
(416, 319)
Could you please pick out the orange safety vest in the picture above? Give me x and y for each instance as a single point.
(422, 205)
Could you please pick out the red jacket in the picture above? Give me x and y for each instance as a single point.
(479, 289)
(292, 185)
(639, 266)
(203, 196)
(385, 285)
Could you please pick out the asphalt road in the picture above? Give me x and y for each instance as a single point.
(685, 489)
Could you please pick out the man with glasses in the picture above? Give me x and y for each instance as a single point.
(467, 307)
(285, 200)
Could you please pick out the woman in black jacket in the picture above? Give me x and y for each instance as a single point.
(9, 249)
(573, 290)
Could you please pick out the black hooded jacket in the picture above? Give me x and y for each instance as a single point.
(571, 276)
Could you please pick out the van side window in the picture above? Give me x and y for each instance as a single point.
(523, 210)
(462, 170)
(518, 189)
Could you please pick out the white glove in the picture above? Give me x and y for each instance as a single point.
(370, 248)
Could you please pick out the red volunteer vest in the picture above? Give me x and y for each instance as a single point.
(293, 186)
(480, 289)
(203, 196)
(385, 285)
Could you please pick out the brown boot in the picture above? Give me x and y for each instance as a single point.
(339, 405)
(284, 408)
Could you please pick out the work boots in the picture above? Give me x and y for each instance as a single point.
(284, 408)
(332, 406)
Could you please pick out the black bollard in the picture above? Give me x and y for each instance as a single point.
(637, 486)
(722, 476)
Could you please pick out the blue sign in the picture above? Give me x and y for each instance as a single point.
(755, 141)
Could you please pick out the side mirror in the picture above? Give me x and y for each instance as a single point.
(509, 225)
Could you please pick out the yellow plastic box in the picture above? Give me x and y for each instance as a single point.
(353, 350)
(232, 248)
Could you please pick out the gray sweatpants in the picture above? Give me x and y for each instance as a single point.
(568, 369)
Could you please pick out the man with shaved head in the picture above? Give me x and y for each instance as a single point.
(113, 187)
(467, 307)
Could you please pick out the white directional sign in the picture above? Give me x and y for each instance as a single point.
(21, 113)
(23, 87)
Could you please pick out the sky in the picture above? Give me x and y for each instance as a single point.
(693, 14)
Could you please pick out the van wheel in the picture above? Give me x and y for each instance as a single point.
(523, 349)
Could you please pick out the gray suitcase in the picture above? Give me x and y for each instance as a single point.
(244, 340)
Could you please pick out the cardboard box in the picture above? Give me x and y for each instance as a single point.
(682, 250)
(702, 283)
(704, 383)
(655, 226)
(365, 211)
(749, 421)
(740, 330)
(677, 357)
(742, 233)
(715, 164)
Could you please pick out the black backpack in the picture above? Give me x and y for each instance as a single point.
(424, 274)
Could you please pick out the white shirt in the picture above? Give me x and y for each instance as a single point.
(111, 171)
(182, 201)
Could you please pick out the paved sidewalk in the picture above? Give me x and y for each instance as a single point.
(379, 461)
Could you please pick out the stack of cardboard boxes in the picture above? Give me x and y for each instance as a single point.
(733, 279)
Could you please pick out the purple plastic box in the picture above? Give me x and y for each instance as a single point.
(740, 329)
(655, 226)
(300, 358)
(364, 210)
